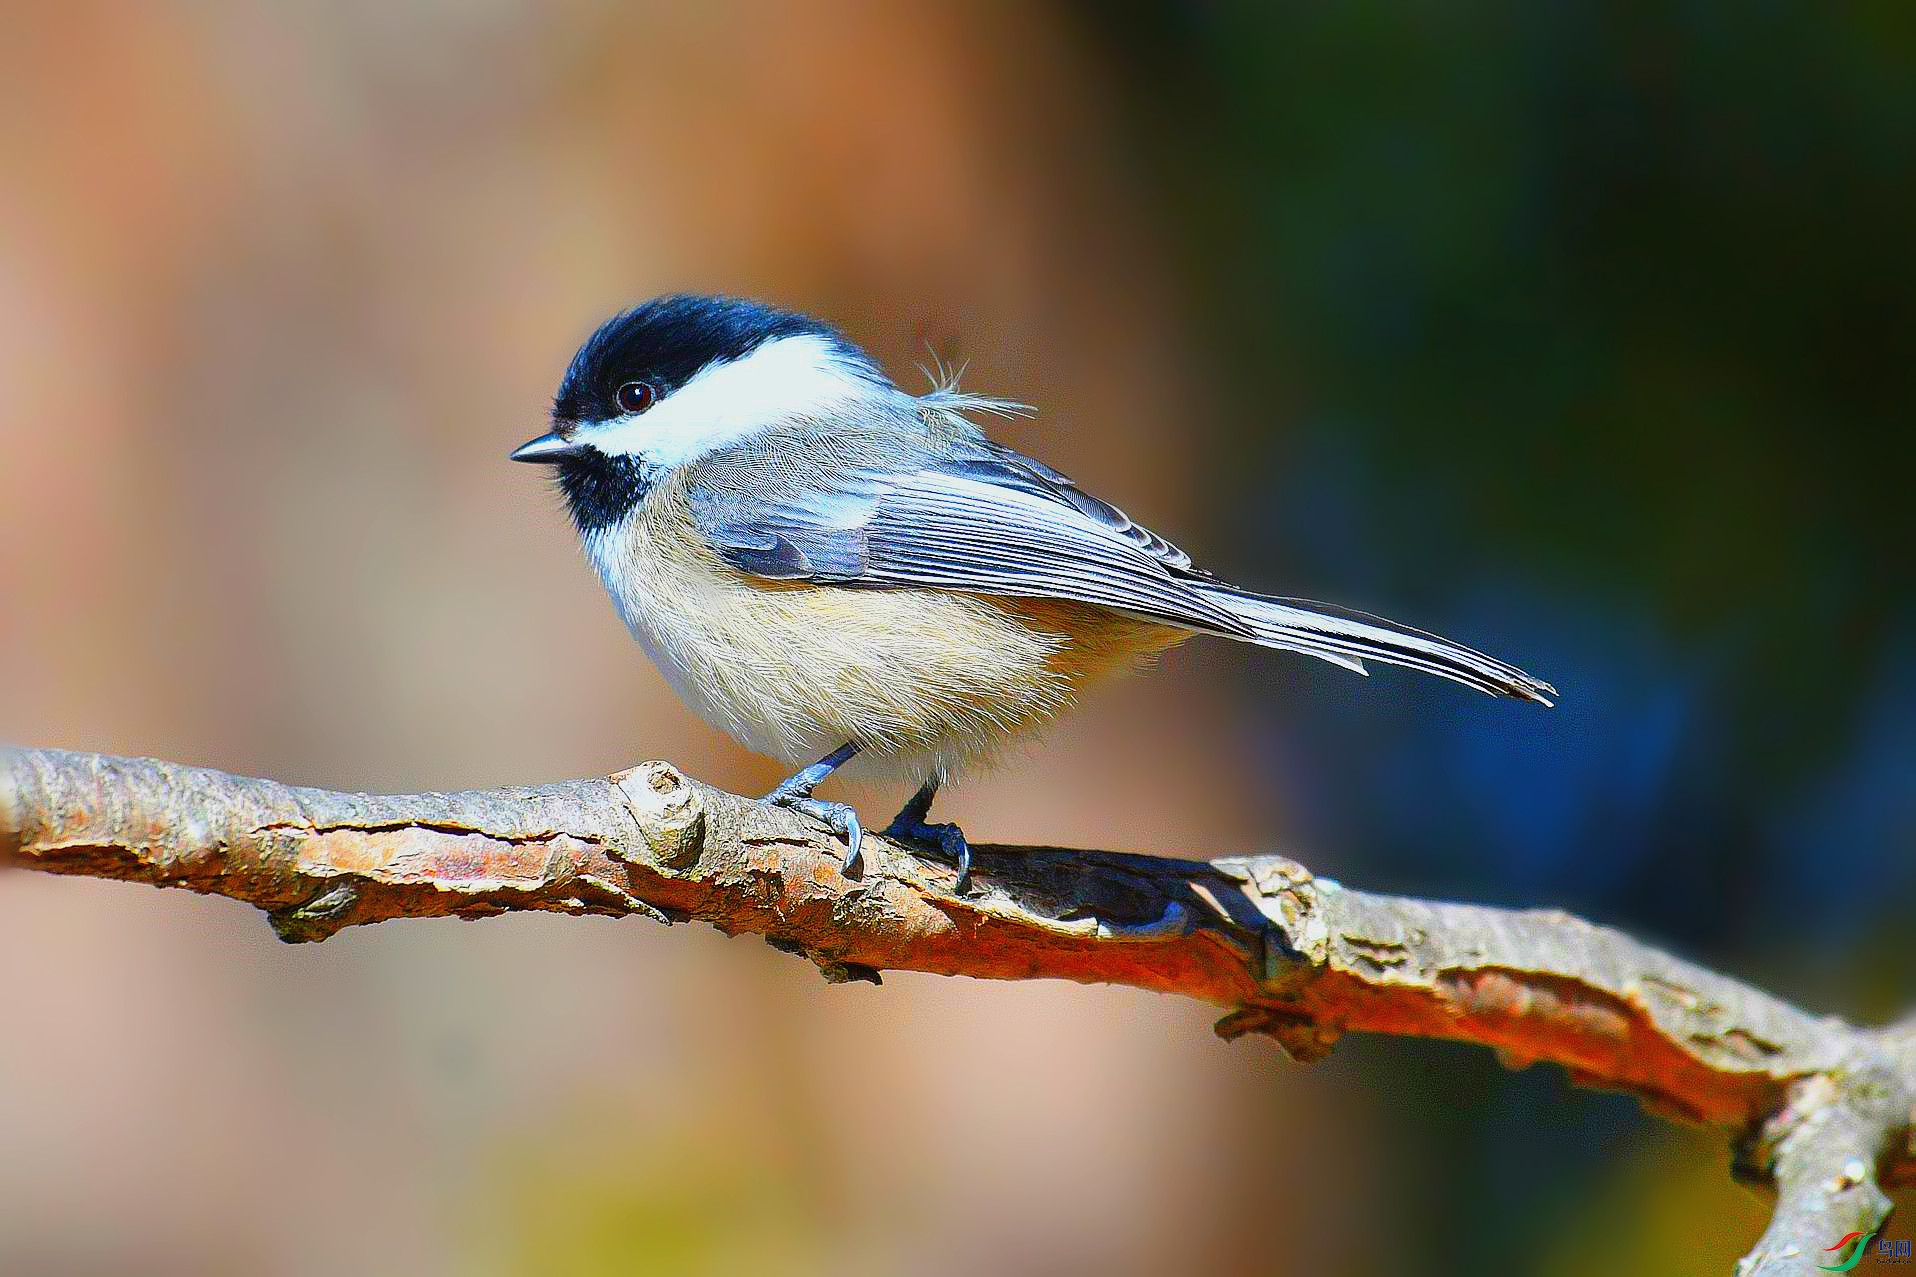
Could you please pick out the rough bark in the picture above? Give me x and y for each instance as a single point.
(1821, 1109)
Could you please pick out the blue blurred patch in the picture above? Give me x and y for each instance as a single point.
(1852, 835)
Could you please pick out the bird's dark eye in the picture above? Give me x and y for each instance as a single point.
(636, 396)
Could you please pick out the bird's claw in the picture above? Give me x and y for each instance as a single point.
(948, 838)
(837, 817)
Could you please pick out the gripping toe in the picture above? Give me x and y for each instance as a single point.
(837, 817)
(949, 839)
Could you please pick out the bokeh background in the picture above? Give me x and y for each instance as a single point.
(1581, 332)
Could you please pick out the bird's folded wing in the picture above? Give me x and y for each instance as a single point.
(989, 522)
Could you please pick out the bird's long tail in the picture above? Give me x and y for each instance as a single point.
(1348, 638)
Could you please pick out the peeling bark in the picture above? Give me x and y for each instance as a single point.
(1820, 1108)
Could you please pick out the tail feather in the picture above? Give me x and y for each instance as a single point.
(1349, 638)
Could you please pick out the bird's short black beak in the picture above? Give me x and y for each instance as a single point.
(546, 450)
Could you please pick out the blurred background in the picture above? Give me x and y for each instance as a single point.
(1583, 333)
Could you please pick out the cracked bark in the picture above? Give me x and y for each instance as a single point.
(1820, 1109)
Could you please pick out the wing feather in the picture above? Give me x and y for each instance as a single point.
(990, 522)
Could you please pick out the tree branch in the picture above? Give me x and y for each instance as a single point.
(1823, 1109)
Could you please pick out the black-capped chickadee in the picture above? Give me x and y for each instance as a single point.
(825, 565)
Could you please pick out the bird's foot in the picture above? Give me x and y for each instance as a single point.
(795, 792)
(837, 817)
(948, 839)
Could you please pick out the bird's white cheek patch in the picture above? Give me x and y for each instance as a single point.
(783, 380)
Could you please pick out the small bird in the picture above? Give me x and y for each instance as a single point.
(825, 565)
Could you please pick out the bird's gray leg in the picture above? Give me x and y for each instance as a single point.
(911, 816)
(909, 826)
(795, 792)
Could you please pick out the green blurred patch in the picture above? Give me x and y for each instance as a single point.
(587, 1199)
(1670, 1208)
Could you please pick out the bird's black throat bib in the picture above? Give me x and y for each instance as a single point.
(601, 490)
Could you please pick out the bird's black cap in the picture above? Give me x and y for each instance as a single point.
(666, 341)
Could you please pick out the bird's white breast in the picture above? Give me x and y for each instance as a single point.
(667, 600)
